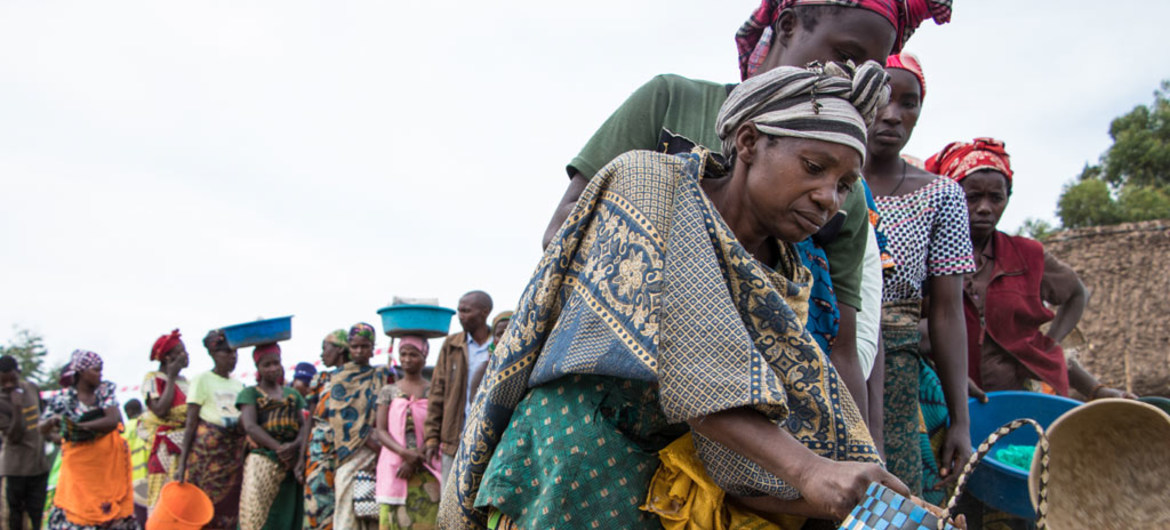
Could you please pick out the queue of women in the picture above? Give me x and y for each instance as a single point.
(699, 346)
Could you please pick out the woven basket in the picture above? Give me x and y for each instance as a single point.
(1109, 467)
(882, 509)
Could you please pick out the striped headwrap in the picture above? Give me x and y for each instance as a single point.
(754, 38)
(81, 360)
(361, 329)
(833, 103)
(958, 160)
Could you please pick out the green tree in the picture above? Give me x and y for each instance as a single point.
(1144, 203)
(1087, 203)
(1035, 228)
(29, 350)
(1132, 180)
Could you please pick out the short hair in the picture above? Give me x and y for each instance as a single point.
(809, 16)
(8, 364)
(481, 298)
(133, 407)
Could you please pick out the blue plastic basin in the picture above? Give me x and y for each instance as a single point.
(430, 321)
(999, 485)
(259, 332)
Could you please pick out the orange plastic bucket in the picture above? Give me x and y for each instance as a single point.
(181, 506)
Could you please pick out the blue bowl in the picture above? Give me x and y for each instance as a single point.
(999, 485)
(259, 332)
(430, 321)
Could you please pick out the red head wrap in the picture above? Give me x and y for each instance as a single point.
(755, 36)
(909, 62)
(164, 345)
(271, 348)
(958, 160)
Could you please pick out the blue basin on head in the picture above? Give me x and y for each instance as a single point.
(430, 321)
(258, 332)
(999, 485)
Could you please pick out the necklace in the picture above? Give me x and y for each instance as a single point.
(901, 180)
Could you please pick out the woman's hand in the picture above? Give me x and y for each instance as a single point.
(174, 366)
(1107, 392)
(412, 461)
(288, 453)
(956, 451)
(974, 391)
(834, 488)
(299, 469)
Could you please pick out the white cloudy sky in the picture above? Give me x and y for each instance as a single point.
(195, 165)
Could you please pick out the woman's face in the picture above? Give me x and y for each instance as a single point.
(178, 352)
(895, 121)
(360, 350)
(854, 35)
(498, 331)
(795, 185)
(411, 359)
(91, 376)
(987, 197)
(225, 360)
(330, 354)
(270, 369)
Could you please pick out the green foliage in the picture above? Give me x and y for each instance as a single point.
(1140, 154)
(1132, 181)
(1035, 228)
(1087, 203)
(1144, 203)
(29, 350)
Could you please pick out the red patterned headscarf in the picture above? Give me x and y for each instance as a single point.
(164, 345)
(754, 38)
(958, 160)
(909, 62)
(271, 348)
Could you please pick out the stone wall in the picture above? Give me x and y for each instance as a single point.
(1124, 336)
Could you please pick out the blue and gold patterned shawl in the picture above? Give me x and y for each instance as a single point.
(645, 281)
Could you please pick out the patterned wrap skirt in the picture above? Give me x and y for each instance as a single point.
(580, 452)
(215, 465)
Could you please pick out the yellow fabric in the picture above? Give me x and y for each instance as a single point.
(138, 449)
(685, 498)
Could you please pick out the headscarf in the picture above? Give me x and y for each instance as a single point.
(338, 337)
(271, 348)
(215, 341)
(504, 315)
(164, 345)
(909, 62)
(79, 361)
(361, 329)
(754, 38)
(958, 160)
(833, 103)
(304, 372)
(262, 350)
(416, 341)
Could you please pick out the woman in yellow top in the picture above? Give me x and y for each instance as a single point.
(161, 426)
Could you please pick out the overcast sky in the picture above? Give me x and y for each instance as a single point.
(196, 165)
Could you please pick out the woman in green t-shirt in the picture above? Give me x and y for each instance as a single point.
(213, 444)
(271, 415)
